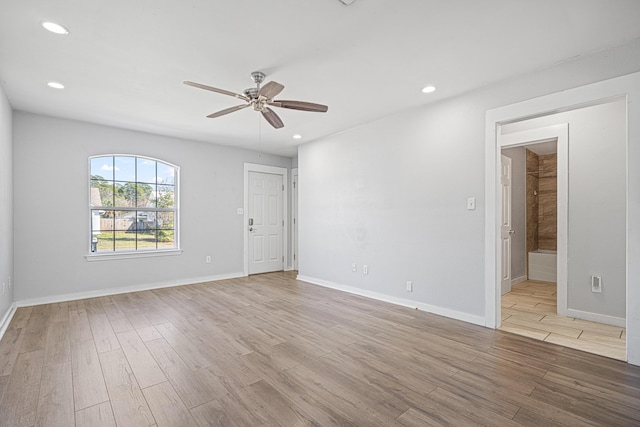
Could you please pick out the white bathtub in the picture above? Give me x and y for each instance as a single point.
(543, 265)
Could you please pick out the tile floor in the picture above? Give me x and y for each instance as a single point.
(530, 310)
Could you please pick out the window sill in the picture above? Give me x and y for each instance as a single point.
(130, 255)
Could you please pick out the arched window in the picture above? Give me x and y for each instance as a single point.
(133, 204)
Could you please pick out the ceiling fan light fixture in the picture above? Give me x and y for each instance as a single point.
(297, 136)
(55, 28)
(55, 85)
(428, 89)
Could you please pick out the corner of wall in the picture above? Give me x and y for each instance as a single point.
(7, 307)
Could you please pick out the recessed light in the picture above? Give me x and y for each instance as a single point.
(55, 85)
(428, 89)
(297, 136)
(55, 28)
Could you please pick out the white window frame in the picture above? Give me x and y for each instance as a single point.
(136, 253)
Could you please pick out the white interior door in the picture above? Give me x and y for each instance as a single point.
(266, 223)
(505, 224)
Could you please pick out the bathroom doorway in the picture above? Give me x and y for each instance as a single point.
(603, 178)
(537, 303)
(534, 211)
(539, 207)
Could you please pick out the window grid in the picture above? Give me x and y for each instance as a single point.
(132, 215)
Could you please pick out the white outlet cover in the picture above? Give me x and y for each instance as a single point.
(596, 284)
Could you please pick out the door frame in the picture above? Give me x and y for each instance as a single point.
(275, 170)
(294, 219)
(627, 87)
(559, 133)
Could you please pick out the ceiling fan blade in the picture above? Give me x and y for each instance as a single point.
(272, 118)
(215, 89)
(300, 105)
(270, 90)
(228, 110)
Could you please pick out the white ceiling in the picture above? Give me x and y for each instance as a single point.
(124, 61)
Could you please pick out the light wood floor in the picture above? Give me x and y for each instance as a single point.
(530, 310)
(270, 350)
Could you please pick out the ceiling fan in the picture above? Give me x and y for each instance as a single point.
(261, 98)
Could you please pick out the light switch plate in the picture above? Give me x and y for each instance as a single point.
(471, 203)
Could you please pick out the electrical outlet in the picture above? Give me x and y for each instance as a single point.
(365, 269)
(354, 267)
(409, 286)
(596, 284)
(208, 259)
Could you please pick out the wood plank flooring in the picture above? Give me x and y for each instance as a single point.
(269, 350)
(530, 310)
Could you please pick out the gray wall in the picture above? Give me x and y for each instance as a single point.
(392, 194)
(597, 204)
(518, 211)
(6, 204)
(51, 202)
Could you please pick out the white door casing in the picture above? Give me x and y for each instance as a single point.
(294, 217)
(505, 224)
(265, 240)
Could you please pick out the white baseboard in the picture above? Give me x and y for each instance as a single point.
(518, 280)
(465, 317)
(123, 290)
(4, 324)
(595, 317)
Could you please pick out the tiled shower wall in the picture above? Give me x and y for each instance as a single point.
(542, 198)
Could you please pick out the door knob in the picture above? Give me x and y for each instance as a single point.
(251, 229)
(512, 232)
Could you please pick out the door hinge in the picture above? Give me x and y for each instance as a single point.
(294, 257)
(282, 258)
(283, 222)
(282, 187)
(294, 184)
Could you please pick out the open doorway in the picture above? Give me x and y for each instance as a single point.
(623, 283)
(547, 294)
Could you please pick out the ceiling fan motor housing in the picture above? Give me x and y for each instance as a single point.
(251, 92)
